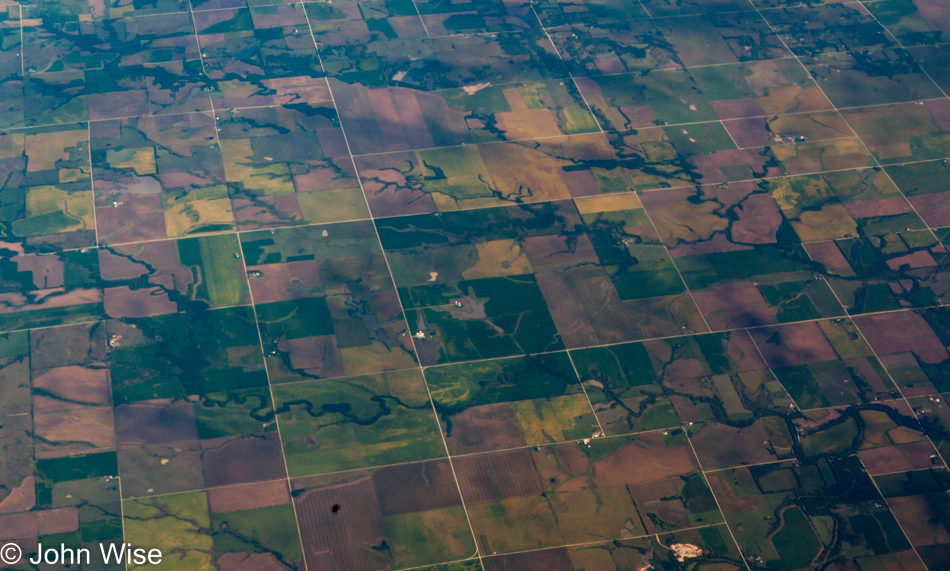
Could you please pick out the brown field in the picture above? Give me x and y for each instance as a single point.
(524, 123)
(248, 497)
(940, 111)
(515, 167)
(880, 207)
(283, 91)
(918, 520)
(237, 93)
(608, 203)
(333, 144)
(759, 220)
(587, 310)
(167, 271)
(798, 344)
(682, 373)
(298, 89)
(333, 205)
(751, 132)
(515, 474)
(234, 460)
(21, 497)
(136, 218)
(554, 477)
(197, 179)
(900, 561)
(691, 384)
(884, 460)
(54, 297)
(301, 89)
(654, 490)
(811, 157)
(485, 428)
(934, 208)
(743, 350)
(184, 99)
(475, 480)
(180, 132)
(830, 255)
(649, 492)
(720, 446)
(238, 159)
(33, 524)
(113, 267)
(395, 200)
(896, 361)
(61, 346)
(919, 259)
(759, 131)
(718, 243)
(734, 305)
(73, 429)
(864, 368)
(153, 422)
(284, 15)
(830, 222)
(48, 271)
(678, 220)
(43, 150)
(392, 119)
(188, 216)
(571, 459)
(685, 409)
(123, 301)
(163, 256)
(286, 281)
(552, 253)
(256, 212)
(709, 167)
(725, 493)
(544, 560)
(386, 187)
(918, 453)
(581, 183)
(435, 22)
(736, 108)
(634, 463)
(342, 539)
(160, 468)
(812, 126)
(888, 130)
(652, 502)
(117, 104)
(318, 355)
(793, 99)
(367, 359)
(406, 26)
(512, 472)
(634, 116)
(415, 487)
(902, 332)
(71, 383)
(584, 302)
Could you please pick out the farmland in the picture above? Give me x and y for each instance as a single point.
(477, 285)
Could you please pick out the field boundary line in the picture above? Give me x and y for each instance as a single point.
(382, 250)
